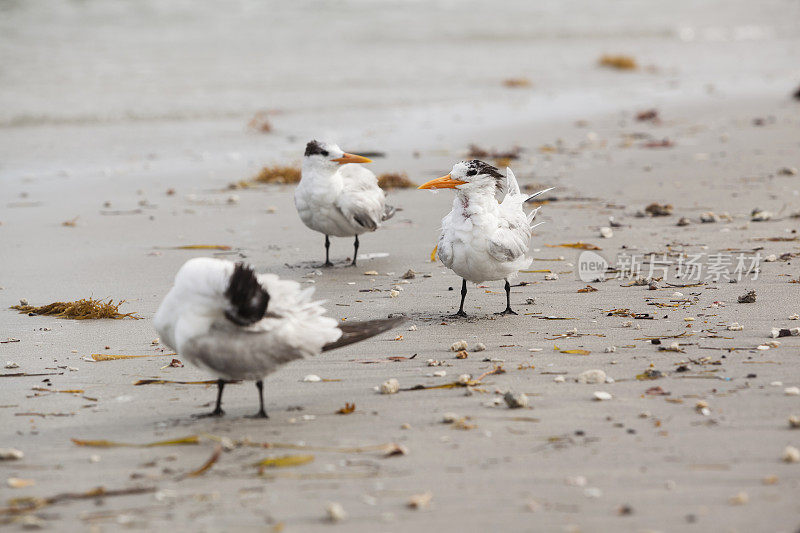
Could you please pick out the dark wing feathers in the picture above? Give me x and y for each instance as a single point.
(358, 331)
(247, 297)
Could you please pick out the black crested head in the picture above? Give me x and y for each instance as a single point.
(247, 297)
(476, 166)
(315, 148)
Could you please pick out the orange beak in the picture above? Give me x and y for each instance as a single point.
(445, 182)
(351, 158)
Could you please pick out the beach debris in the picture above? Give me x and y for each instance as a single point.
(394, 449)
(602, 396)
(284, 461)
(650, 374)
(462, 354)
(79, 309)
(658, 210)
(479, 153)
(395, 180)
(592, 376)
(371, 273)
(791, 455)
(190, 440)
(281, 174)
(791, 391)
(71, 223)
(702, 408)
(739, 499)
(663, 143)
(479, 347)
(312, 378)
(683, 221)
(12, 364)
(648, 115)
(347, 409)
(709, 217)
(440, 373)
(784, 332)
(10, 454)
(787, 171)
(390, 386)
(576, 351)
(794, 423)
(175, 363)
(587, 288)
(97, 357)
(141, 382)
(559, 379)
(458, 346)
(215, 455)
(409, 274)
(464, 379)
(28, 504)
(516, 400)
(747, 298)
(656, 391)
(674, 347)
(394, 293)
(260, 122)
(516, 83)
(335, 512)
(609, 349)
(618, 61)
(606, 232)
(551, 277)
(576, 245)
(760, 215)
(734, 326)
(420, 501)
(19, 483)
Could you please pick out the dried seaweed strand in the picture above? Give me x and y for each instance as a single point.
(79, 310)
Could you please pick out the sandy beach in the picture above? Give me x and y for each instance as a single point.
(698, 448)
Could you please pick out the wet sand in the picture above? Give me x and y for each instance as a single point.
(636, 462)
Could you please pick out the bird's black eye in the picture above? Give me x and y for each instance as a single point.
(472, 172)
(324, 153)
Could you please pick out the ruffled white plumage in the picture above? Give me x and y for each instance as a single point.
(483, 240)
(191, 320)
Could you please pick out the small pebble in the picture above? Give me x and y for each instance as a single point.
(794, 423)
(559, 379)
(516, 400)
(551, 277)
(479, 347)
(12, 364)
(394, 293)
(610, 349)
(735, 326)
(312, 378)
(606, 232)
(601, 396)
(10, 454)
(464, 379)
(592, 376)
(791, 391)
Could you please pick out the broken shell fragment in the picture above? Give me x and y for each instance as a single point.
(592, 376)
(462, 354)
(760, 215)
(312, 378)
(551, 277)
(791, 391)
(683, 221)
(559, 379)
(735, 326)
(748, 298)
(794, 422)
(791, 455)
(606, 232)
(10, 454)
(336, 512)
(479, 347)
(709, 217)
(602, 396)
(516, 400)
(420, 501)
(390, 386)
(458, 346)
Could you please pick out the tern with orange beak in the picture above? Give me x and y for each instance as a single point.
(239, 325)
(482, 239)
(337, 197)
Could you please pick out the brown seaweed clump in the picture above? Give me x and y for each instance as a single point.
(260, 122)
(619, 62)
(395, 180)
(275, 174)
(79, 310)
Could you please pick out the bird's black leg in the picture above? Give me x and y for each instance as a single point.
(507, 310)
(463, 295)
(218, 409)
(355, 251)
(261, 412)
(327, 252)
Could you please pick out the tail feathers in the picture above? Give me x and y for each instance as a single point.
(358, 331)
(388, 212)
(534, 195)
(533, 214)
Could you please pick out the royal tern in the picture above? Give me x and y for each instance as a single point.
(239, 325)
(481, 239)
(337, 197)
